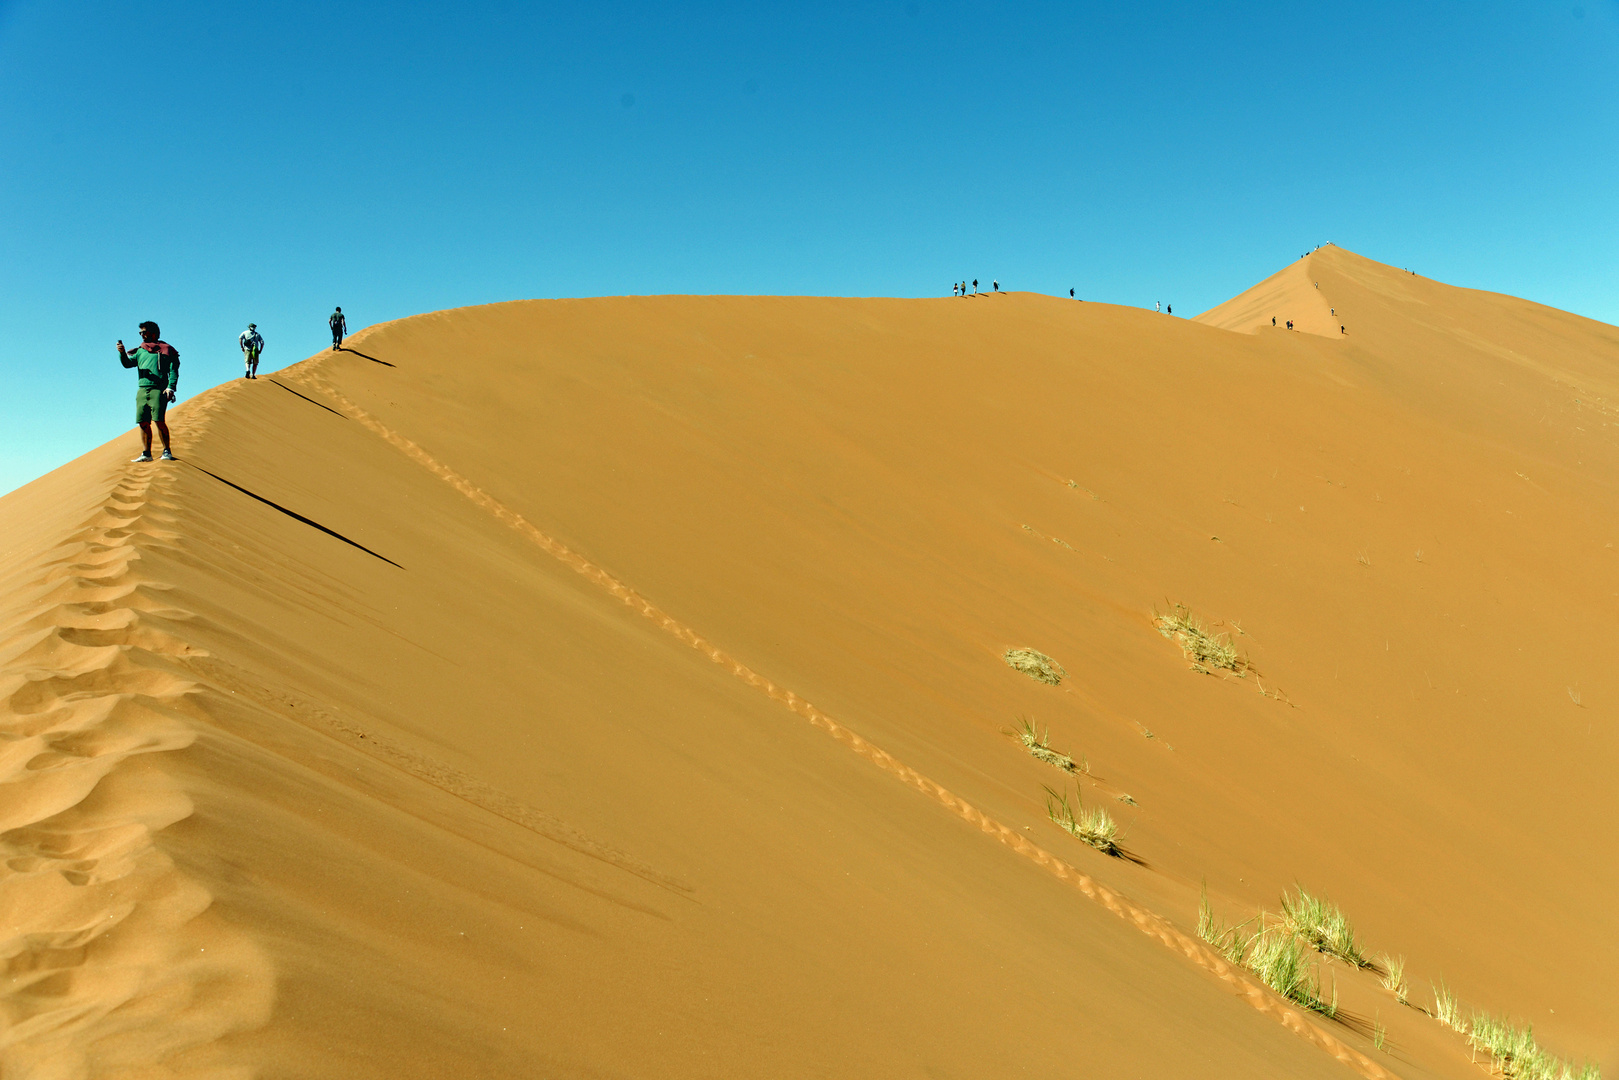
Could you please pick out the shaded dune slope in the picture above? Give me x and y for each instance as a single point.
(466, 696)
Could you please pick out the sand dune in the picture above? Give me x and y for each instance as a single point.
(615, 688)
(1291, 295)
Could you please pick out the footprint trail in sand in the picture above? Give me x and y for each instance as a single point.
(1148, 922)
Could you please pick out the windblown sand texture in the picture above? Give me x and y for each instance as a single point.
(616, 688)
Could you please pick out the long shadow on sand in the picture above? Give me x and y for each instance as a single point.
(295, 515)
(357, 352)
(311, 400)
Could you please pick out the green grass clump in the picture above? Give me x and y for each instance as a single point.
(1322, 926)
(1090, 825)
(1272, 952)
(1282, 963)
(1514, 1053)
(1512, 1050)
(1036, 743)
(1036, 665)
(1204, 649)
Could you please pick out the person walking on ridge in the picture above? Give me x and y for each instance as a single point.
(1070, 294)
(997, 285)
(159, 365)
(252, 344)
(975, 286)
(340, 328)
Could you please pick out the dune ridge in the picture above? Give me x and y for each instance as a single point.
(111, 957)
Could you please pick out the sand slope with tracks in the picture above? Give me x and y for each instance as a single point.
(616, 688)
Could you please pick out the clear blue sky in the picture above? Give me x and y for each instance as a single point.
(208, 164)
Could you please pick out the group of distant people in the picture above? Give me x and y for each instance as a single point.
(1342, 329)
(960, 288)
(157, 364)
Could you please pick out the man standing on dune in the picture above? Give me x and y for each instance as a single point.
(339, 326)
(159, 366)
(252, 344)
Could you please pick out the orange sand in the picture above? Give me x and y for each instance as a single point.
(637, 707)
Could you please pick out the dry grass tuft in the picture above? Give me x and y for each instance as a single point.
(1394, 978)
(1446, 1010)
(1228, 941)
(1036, 665)
(1093, 825)
(1202, 647)
(1036, 743)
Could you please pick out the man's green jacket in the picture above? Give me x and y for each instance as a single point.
(159, 364)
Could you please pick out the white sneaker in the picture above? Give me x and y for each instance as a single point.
(166, 456)
(145, 456)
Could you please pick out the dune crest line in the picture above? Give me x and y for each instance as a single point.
(112, 956)
(1148, 922)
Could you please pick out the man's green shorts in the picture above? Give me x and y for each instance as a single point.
(151, 404)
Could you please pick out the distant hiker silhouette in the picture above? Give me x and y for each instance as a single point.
(340, 327)
(1158, 305)
(159, 365)
(1341, 329)
(1273, 320)
(252, 344)
(1169, 309)
(1070, 294)
(1333, 310)
(1290, 324)
(975, 286)
(996, 285)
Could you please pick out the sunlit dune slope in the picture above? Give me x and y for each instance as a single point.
(616, 688)
(1291, 295)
